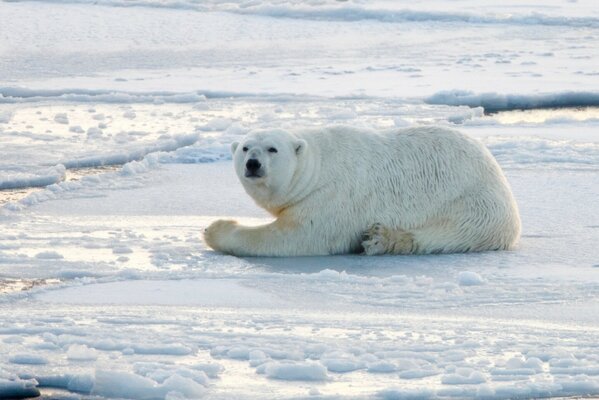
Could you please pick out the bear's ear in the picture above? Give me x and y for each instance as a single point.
(234, 147)
(300, 146)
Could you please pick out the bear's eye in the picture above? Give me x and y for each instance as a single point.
(272, 150)
(245, 149)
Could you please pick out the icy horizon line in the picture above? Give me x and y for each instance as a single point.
(489, 101)
(343, 13)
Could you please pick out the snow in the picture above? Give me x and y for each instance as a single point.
(307, 371)
(469, 278)
(222, 292)
(81, 353)
(114, 384)
(463, 376)
(116, 119)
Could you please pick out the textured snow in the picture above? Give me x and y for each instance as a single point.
(116, 119)
(295, 371)
(38, 179)
(113, 384)
(80, 352)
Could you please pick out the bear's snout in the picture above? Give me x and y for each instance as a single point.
(252, 166)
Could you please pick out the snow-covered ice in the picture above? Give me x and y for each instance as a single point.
(116, 119)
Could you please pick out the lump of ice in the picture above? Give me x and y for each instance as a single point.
(217, 124)
(48, 255)
(236, 129)
(297, 371)
(469, 278)
(463, 115)
(31, 359)
(211, 370)
(417, 373)
(94, 132)
(80, 352)
(43, 177)
(239, 353)
(132, 386)
(18, 389)
(80, 383)
(61, 118)
(341, 364)
(76, 129)
(463, 376)
(122, 250)
(382, 367)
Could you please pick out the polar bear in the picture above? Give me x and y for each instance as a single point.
(343, 190)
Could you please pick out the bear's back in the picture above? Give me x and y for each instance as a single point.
(429, 157)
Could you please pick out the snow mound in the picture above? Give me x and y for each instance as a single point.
(49, 255)
(115, 384)
(216, 124)
(80, 352)
(342, 364)
(76, 129)
(28, 359)
(129, 114)
(61, 118)
(463, 376)
(132, 154)
(295, 371)
(469, 278)
(82, 383)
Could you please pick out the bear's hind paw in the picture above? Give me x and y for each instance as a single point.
(379, 239)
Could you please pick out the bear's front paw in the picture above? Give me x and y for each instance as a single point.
(217, 234)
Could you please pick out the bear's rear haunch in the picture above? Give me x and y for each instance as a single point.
(344, 190)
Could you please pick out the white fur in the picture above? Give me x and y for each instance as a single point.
(340, 190)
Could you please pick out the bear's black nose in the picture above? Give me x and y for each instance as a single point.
(253, 165)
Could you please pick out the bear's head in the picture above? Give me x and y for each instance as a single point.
(266, 162)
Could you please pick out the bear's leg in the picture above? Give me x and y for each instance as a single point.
(280, 238)
(380, 239)
(479, 222)
(464, 236)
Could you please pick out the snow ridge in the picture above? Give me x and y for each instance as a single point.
(352, 13)
(17, 95)
(493, 102)
(42, 178)
(333, 11)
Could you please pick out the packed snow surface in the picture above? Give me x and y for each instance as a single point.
(116, 119)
